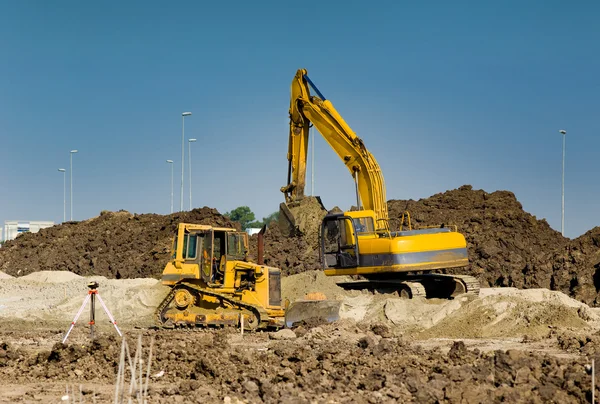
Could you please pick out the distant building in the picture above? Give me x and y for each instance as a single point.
(12, 228)
(252, 230)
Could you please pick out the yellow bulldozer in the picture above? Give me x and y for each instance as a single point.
(213, 283)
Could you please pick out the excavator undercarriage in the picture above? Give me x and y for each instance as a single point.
(429, 285)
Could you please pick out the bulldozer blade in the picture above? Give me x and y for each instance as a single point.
(303, 310)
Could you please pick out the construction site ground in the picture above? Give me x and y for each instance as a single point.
(516, 345)
(530, 336)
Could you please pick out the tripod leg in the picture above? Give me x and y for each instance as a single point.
(112, 320)
(92, 313)
(76, 317)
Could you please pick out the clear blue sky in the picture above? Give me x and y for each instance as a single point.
(443, 94)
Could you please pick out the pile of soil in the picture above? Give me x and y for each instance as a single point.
(293, 254)
(505, 243)
(575, 267)
(114, 244)
(508, 246)
(359, 365)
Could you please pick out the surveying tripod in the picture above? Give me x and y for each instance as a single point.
(92, 294)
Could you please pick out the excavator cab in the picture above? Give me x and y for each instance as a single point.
(339, 247)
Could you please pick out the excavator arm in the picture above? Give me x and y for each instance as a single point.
(316, 109)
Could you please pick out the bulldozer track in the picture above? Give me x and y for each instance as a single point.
(259, 312)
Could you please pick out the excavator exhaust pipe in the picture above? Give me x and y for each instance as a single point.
(261, 245)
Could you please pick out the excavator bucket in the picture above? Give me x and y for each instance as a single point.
(316, 310)
(302, 217)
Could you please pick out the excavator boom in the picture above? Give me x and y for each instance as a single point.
(304, 109)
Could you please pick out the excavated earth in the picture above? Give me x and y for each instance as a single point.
(507, 246)
(114, 244)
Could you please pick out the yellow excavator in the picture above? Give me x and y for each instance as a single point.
(359, 242)
(213, 283)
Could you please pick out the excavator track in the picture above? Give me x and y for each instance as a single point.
(405, 289)
(429, 285)
(260, 315)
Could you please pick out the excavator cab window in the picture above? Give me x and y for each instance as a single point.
(363, 225)
(338, 243)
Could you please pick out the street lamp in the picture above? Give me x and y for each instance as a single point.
(183, 115)
(71, 175)
(190, 141)
(562, 215)
(62, 170)
(171, 164)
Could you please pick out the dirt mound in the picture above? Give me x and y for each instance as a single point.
(294, 250)
(51, 276)
(299, 285)
(114, 244)
(54, 297)
(575, 267)
(508, 312)
(292, 254)
(507, 246)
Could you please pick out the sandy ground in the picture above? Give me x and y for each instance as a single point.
(53, 298)
(36, 310)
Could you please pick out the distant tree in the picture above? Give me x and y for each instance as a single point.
(266, 220)
(243, 215)
(254, 225)
(247, 219)
(273, 217)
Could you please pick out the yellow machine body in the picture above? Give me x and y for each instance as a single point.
(213, 283)
(370, 251)
(360, 242)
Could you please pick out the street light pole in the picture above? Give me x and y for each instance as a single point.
(71, 175)
(171, 164)
(62, 170)
(190, 141)
(562, 215)
(183, 115)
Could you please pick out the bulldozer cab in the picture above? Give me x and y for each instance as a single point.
(339, 246)
(219, 247)
(209, 248)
